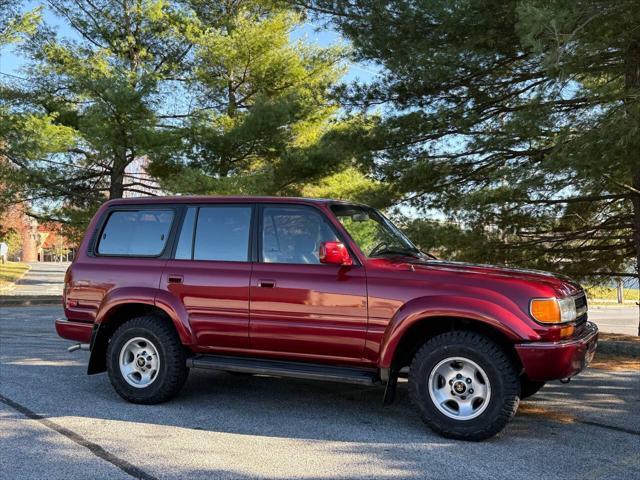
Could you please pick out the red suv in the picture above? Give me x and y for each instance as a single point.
(314, 289)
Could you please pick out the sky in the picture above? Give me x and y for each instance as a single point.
(313, 33)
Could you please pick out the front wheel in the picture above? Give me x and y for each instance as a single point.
(464, 385)
(146, 361)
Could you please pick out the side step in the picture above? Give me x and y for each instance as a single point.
(280, 368)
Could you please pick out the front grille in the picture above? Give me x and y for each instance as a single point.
(581, 302)
(581, 312)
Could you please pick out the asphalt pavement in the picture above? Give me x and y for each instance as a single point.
(58, 423)
(43, 278)
(615, 319)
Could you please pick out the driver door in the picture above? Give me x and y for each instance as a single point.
(299, 306)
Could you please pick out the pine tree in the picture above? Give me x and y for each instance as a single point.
(89, 105)
(262, 121)
(211, 97)
(518, 120)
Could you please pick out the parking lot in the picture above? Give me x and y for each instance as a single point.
(58, 423)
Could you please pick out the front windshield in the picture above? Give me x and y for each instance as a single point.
(375, 235)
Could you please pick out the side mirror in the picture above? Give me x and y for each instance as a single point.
(334, 253)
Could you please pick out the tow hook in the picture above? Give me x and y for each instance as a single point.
(78, 346)
(565, 380)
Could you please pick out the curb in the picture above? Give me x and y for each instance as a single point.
(31, 301)
(616, 347)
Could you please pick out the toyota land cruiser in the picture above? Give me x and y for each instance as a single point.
(314, 289)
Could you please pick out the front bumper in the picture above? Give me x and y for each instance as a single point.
(76, 331)
(553, 360)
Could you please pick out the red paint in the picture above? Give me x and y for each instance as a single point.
(334, 312)
(562, 359)
(335, 253)
(76, 331)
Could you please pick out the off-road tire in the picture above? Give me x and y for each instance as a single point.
(172, 372)
(528, 388)
(501, 373)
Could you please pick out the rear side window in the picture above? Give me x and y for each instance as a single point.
(136, 233)
(222, 234)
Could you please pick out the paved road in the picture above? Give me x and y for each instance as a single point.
(46, 278)
(58, 423)
(615, 319)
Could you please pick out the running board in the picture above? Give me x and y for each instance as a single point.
(280, 368)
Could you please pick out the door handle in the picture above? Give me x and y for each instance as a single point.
(266, 283)
(174, 279)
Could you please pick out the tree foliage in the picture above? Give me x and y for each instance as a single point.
(263, 121)
(518, 120)
(15, 24)
(89, 105)
(205, 97)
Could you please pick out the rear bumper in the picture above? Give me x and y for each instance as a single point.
(553, 360)
(76, 331)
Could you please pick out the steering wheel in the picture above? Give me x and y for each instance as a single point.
(378, 248)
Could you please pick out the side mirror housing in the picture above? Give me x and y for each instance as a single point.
(334, 253)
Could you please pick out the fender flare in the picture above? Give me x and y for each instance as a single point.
(152, 297)
(508, 322)
(139, 295)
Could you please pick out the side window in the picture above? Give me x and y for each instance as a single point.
(184, 249)
(222, 233)
(142, 233)
(293, 235)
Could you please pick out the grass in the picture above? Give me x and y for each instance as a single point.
(610, 294)
(10, 272)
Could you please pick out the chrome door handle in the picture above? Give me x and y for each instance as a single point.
(266, 283)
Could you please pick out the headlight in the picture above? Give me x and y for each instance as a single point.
(553, 310)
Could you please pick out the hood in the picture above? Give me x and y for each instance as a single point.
(561, 285)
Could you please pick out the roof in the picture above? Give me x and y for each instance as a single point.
(223, 199)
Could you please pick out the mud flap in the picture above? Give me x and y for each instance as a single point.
(390, 389)
(98, 348)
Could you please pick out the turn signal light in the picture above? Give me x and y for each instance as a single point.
(545, 310)
(567, 331)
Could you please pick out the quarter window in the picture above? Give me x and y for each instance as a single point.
(136, 233)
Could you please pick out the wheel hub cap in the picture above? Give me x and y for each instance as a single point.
(459, 388)
(139, 362)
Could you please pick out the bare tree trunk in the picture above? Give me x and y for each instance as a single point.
(116, 187)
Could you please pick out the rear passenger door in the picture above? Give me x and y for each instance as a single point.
(209, 272)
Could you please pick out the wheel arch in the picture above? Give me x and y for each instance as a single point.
(423, 318)
(111, 318)
(419, 332)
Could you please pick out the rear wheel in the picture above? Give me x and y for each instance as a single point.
(146, 361)
(464, 385)
(529, 388)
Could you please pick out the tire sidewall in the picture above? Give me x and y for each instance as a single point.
(494, 376)
(113, 363)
